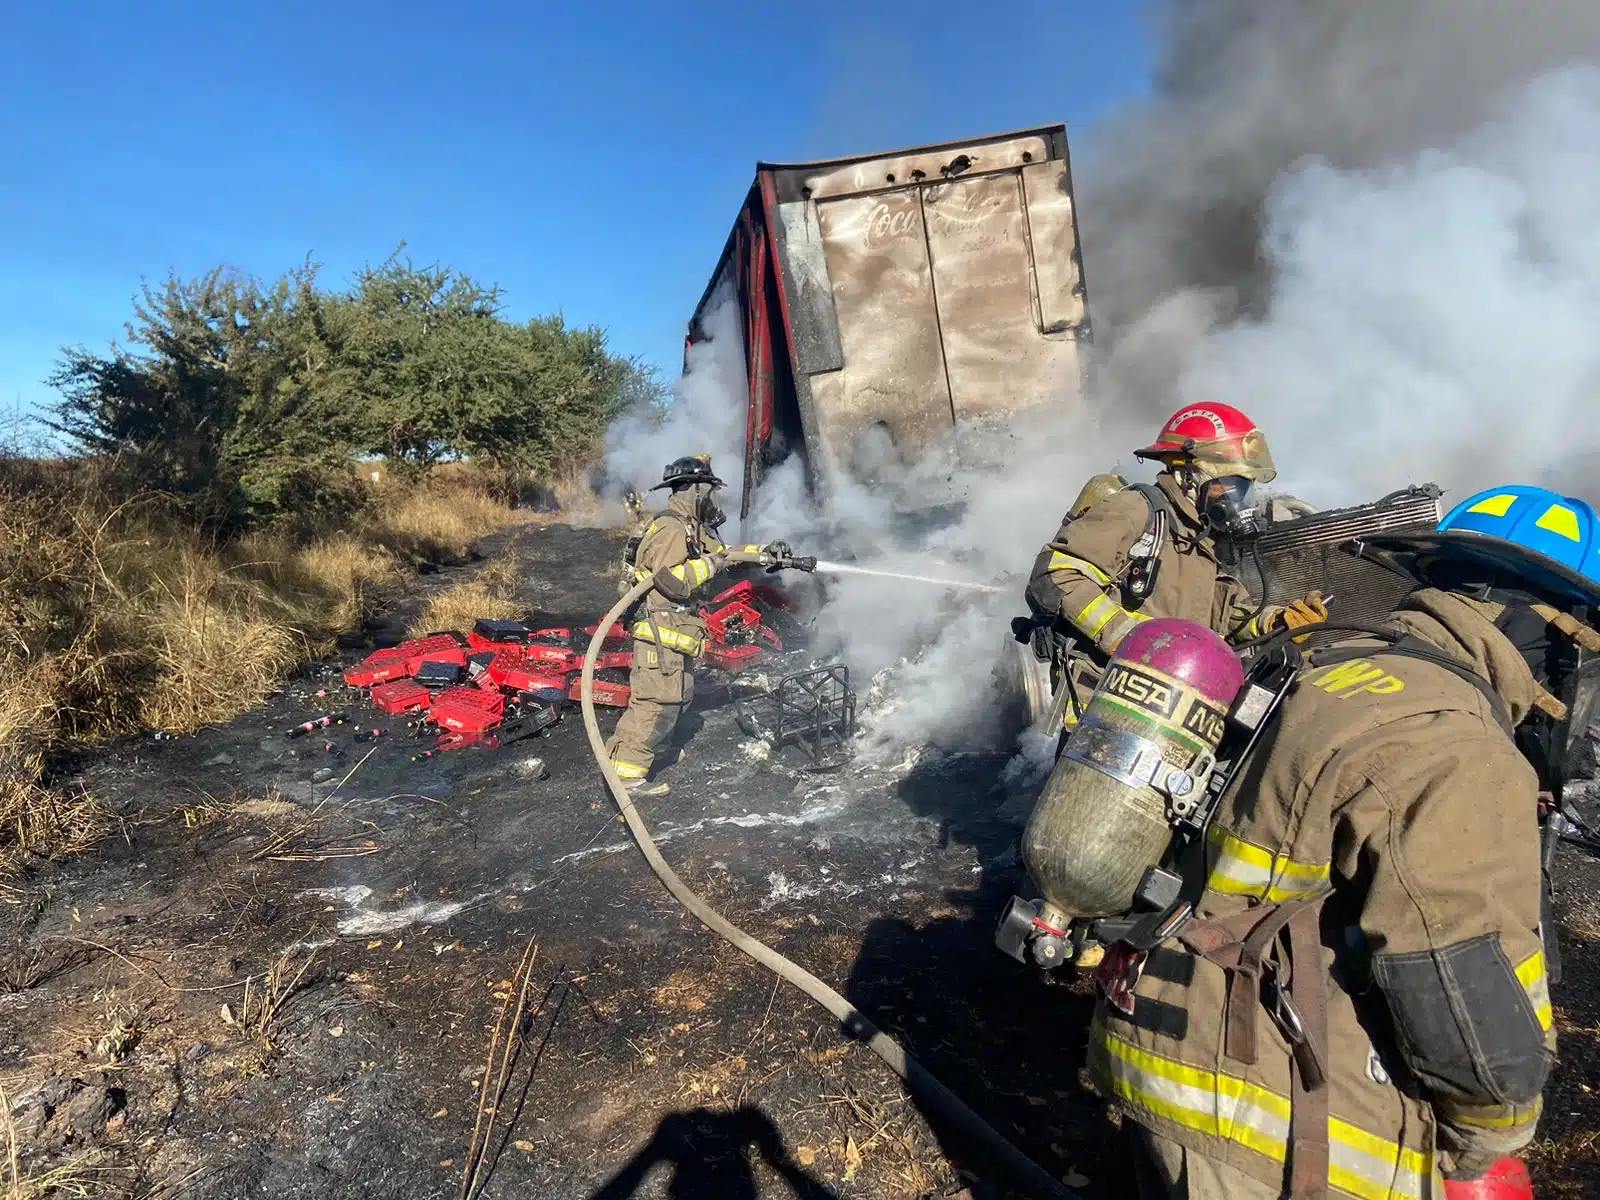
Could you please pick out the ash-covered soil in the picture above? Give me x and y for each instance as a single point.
(268, 986)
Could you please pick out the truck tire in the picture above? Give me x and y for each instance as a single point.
(1024, 685)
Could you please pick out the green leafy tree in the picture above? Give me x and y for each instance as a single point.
(253, 399)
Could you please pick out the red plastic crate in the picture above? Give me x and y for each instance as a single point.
(512, 669)
(732, 619)
(614, 660)
(467, 709)
(615, 636)
(731, 658)
(400, 695)
(441, 647)
(389, 663)
(563, 658)
(612, 692)
(751, 593)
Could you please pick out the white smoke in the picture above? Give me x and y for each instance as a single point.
(706, 414)
(1430, 320)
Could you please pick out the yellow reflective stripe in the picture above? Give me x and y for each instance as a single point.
(1531, 974)
(751, 549)
(694, 572)
(1241, 868)
(1505, 1116)
(1360, 1163)
(1258, 623)
(684, 643)
(651, 528)
(1097, 614)
(640, 574)
(1071, 562)
(628, 770)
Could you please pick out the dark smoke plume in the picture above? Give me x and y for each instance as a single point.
(1173, 189)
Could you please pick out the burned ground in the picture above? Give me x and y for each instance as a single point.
(379, 916)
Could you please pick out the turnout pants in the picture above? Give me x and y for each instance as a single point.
(661, 687)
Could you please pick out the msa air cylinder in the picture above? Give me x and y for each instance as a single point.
(1148, 737)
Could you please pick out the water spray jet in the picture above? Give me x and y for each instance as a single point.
(964, 585)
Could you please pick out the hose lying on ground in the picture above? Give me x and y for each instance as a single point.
(1018, 1166)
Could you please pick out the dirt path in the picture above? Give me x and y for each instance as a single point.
(381, 919)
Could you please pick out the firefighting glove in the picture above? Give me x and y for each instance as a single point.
(776, 552)
(1309, 611)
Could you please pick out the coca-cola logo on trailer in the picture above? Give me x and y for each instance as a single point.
(960, 207)
(885, 224)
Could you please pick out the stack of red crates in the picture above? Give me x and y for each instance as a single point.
(397, 662)
(467, 709)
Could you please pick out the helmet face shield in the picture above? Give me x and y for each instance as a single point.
(1247, 456)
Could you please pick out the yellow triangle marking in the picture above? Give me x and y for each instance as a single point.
(1495, 506)
(1561, 521)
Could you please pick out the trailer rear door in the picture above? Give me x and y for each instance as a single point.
(929, 288)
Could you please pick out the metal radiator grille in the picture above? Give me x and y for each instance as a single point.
(1297, 556)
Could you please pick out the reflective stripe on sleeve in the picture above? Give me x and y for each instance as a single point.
(683, 643)
(1531, 974)
(1221, 1106)
(1241, 868)
(1071, 562)
(1097, 614)
(694, 572)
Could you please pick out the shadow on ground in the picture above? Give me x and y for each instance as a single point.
(709, 1154)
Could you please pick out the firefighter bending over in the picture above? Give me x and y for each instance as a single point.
(1127, 553)
(1374, 878)
(680, 550)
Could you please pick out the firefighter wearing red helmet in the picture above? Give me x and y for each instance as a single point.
(1128, 553)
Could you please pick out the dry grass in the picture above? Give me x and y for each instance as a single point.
(440, 522)
(115, 616)
(486, 594)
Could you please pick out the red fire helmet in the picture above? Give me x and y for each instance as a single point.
(1218, 439)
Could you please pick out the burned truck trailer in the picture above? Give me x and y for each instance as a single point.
(888, 300)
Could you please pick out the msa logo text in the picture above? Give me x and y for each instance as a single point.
(1205, 722)
(1141, 690)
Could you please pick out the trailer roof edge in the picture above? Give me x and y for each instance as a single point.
(954, 144)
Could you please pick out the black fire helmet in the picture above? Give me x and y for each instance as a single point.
(688, 471)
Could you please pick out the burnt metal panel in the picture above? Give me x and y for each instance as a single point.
(996, 358)
(816, 323)
(892, 375)
(1053, 236)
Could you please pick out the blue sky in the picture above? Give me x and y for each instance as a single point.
(589, 158)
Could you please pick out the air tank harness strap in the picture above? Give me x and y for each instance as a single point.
(1259, 947)
(1406, 645)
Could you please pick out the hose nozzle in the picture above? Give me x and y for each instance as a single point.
(791, 562)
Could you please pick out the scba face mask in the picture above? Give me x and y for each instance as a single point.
(705, 507)
(1228, 505)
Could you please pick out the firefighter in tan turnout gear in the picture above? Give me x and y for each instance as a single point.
(1360, 1006)
(680, 551)
(1128, 553)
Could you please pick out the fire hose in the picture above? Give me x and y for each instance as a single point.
(1022, 1170)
